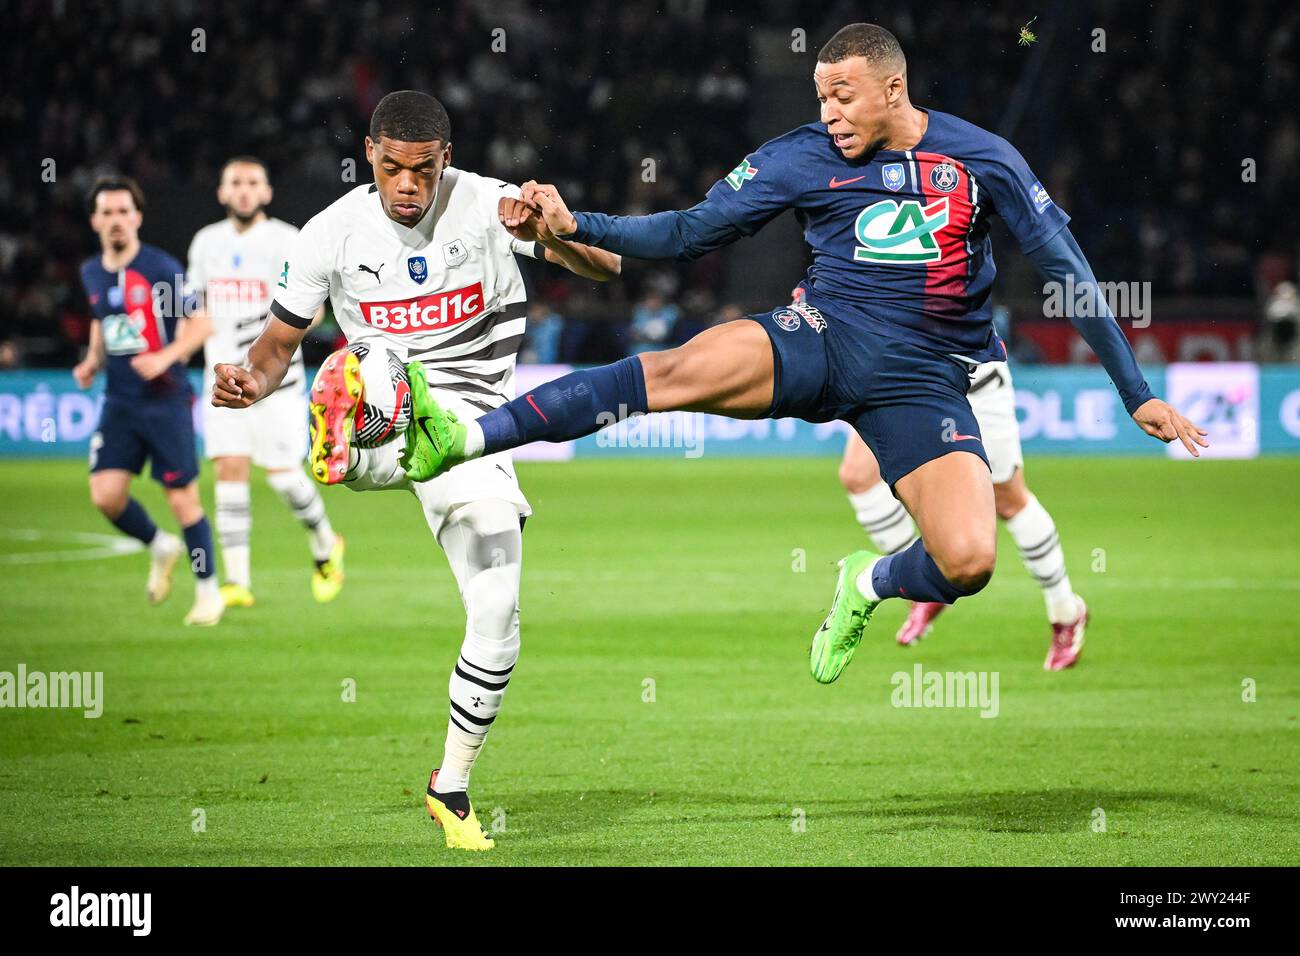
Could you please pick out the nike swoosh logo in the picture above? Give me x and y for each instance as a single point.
(529, 398)
(837, 183)
(425, 428)
(957, 436)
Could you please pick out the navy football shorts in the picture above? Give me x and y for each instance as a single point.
(907, 402)
(161, 431)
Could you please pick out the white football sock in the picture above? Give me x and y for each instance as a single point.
(300, 494)
(164, 544)
(234, 521)
(205, 587)
(864, 583)
(883, 518)
(483, 547)
(1035, 535)
(473, 439)
(376, 469)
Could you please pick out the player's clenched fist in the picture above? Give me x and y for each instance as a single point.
(546, 199)
(234, 387)
(523, 221)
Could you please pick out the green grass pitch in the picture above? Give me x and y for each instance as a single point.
(687, 574)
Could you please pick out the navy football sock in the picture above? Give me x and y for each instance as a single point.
(135, 521)
(912, 574)
(198, 541)
(570, 407)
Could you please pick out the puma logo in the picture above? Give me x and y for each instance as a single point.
(374, 272)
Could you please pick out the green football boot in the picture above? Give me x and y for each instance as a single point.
(841, 633)
(435, 438)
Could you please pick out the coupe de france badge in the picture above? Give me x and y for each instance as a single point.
(892, 173)
(454, 253)
(418, 268)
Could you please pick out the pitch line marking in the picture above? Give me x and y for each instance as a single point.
(104, 546)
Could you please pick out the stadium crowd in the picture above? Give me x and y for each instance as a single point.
(1176, 163)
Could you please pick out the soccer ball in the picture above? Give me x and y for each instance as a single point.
(385, 407)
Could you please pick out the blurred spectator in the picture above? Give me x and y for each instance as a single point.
(1281, 323)
(728, 313)
(653, 322)
(542, 336)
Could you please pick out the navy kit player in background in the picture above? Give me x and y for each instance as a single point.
(895, 203)
(139, 336)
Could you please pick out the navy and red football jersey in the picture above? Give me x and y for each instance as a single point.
(899, 238)
(138, 308)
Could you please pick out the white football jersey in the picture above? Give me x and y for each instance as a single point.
(446, 291)
(236, 272)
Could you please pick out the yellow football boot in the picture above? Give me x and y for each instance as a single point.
(452, 812)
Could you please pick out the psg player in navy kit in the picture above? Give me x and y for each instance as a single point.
(895, 203)
(140, 336)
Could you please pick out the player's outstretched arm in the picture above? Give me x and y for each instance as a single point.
(526, 224)
(681, 234)
(238, 386)
(1060, 260)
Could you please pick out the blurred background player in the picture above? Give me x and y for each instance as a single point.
(419, 263)
(233, 265)
(140, 336)
(891, 528)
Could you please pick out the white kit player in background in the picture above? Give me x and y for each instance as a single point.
(420, 266)
(235, 264)
(890, 527)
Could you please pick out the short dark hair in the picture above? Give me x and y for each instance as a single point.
(245, 160)
(410, 117)
(115, 182)
(878, 45)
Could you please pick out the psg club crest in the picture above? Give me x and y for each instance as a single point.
(892, 173)
(944, 177)
(418, 268)
(787, 319)
(454, 253)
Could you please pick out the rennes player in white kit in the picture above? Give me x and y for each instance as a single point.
(420, 265)
(234, 264)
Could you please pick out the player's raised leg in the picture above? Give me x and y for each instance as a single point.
(886, 522)
(335, 397)
(484, 547)
(110, 492)
(951, 498)
(1034, 532)
(727, 370)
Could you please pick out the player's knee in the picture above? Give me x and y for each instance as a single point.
(968, 565)
(1010, 498)
(111, 502)
(857, 479)
(185, 504)
(492, 603)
